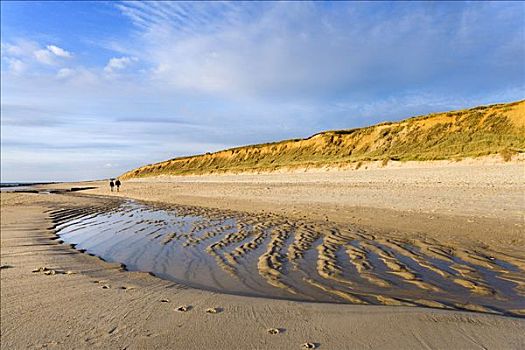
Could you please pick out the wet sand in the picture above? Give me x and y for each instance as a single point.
(477, 211)
(272, 256)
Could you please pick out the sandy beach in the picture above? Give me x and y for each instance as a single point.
(262, 175)
(482, 198)
(86, 302)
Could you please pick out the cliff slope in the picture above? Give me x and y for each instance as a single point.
(473, 132)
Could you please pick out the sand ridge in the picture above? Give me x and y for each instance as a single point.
(396, 271)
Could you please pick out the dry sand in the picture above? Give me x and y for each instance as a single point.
(465, 205)
(469, 201)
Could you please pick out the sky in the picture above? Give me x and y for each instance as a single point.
(90, 90)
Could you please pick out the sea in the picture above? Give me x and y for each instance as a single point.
(18, 186)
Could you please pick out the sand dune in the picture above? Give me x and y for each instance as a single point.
(454, 135)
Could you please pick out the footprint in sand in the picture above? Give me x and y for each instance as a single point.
(164, 300)
(5, 267)
(273, 331)
(40, 269)
(213, 310)
(308, 346)
(183, 308)
(106, 286)
(127, 287)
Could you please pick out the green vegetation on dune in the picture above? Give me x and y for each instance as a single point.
(452, 135)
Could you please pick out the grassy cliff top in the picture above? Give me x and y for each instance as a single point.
(473, 132)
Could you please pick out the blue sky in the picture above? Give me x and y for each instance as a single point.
(92, 89)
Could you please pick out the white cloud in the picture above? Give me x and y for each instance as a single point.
(79, 78)
(58, 51)
(119, 63)
(27, 56)
(18, 55)
(11, 50)
(50, 53)
(22, 48)
(15, 65)
(64, 73)
(44, 56)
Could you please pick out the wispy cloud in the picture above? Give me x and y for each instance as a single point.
(185, 17)
(50, 54)
(57, 51)
(64, 73)
(25, 54)
(119, 63)
(307, 50)
(15, 65)
(44, 56)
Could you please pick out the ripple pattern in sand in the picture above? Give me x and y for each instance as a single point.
(271, 256)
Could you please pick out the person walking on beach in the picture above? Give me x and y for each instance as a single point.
(111, 184)
(117, 183)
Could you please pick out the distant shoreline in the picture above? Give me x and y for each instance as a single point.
(22, 186)
(18, 184)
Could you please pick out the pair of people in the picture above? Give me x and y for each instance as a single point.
(113, 184)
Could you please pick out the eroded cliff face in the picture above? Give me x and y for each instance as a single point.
(472, 132)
